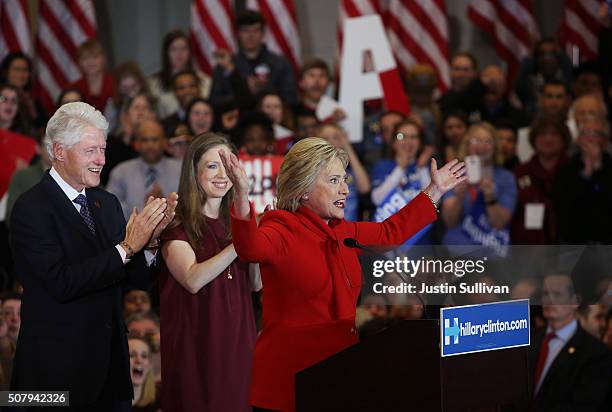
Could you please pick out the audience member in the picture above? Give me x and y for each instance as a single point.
(454, 126)
(96, 84)
(146, 326)
(554, 100)
(68, 96)
(145, 393)
(588, 80)
(583, 188)
(120, 144)
(494, 105)
(10, 116)
(24, 179)
(507, 143)
(306, 124)
(176, 57)
(17, 70)
(478, 212)
(282, 118)
(136, 301)
(185, 87)
(465, 89)
(548, 64)
(572, 370)
(261, 69)
(151, 174)
(357, 177)
(421, 83)
(199, 116)
(592, 319)
(535, 219)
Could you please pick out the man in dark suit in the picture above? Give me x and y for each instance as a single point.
(73, 253)
(571, 370)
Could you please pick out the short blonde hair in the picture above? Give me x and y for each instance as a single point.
(465, 142)
(300, 169)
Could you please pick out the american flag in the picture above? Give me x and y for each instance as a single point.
(418, 33)
(14, 27)
(512, 26)
(579, 28)
(282, 36)
(63, 25)
(212, 28)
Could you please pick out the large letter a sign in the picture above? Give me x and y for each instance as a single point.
(367, 34)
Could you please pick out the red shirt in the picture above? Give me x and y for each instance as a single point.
(98, 101)
(535, 185)
(311, 284)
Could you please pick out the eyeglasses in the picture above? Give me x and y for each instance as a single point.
(11, 100)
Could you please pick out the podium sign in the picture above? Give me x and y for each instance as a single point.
(486, 327)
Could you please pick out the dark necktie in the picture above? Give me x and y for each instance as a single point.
(86, 213)
(543, 355)
(150, 177)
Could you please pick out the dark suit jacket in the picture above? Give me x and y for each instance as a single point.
(72, 333)
(580, 377)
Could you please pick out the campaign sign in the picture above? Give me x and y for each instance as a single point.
(479, 328)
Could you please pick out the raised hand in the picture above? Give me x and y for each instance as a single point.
(445, 178)
(235, 171)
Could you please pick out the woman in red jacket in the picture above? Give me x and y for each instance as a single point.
(311, 278)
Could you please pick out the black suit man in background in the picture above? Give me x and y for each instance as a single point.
(73, 253)
(571, 370)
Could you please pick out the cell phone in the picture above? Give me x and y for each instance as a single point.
(473, 168)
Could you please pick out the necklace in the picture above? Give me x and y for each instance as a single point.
(229, 267)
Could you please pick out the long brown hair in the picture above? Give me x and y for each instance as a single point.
(193, 198)
(165, 73)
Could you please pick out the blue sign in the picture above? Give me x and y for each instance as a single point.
(479, 328)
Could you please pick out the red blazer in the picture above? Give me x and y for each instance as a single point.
(311, 284)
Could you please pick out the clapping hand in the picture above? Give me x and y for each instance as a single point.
(445, 178)
(141, 225)
(171, 203)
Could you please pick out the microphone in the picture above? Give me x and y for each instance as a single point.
(354, 244)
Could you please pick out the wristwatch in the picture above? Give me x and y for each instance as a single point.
(128, 249)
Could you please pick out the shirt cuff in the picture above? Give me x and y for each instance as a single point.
(123, 254)
(150, 257)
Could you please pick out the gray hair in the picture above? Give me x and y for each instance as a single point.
(68, 124)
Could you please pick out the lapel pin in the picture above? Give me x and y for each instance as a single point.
(571, 350)
(97, 204)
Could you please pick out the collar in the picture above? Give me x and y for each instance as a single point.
(146, 166)
(566, 332)
(68, 190)
(316, 224)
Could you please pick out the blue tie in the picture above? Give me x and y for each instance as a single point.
(86, 213)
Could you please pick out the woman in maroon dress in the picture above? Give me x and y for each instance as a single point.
(207, 323)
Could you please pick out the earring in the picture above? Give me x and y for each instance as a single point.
(305, 197)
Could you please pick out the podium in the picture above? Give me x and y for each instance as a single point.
(400, 369)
